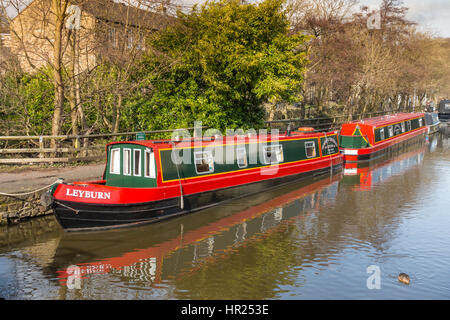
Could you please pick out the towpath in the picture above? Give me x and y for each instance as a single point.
(27, 179)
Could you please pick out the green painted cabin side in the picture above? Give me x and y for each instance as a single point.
(134, 165)
(130, 165)
(240, 157)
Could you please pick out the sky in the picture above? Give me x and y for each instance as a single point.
(431, 15)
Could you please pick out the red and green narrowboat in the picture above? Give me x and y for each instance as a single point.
(370, 139)
(151, 180)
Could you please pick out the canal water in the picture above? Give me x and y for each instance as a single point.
(345, 236)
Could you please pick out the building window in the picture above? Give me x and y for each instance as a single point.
(140, 44)
(241, 156)
(310, 148)
(114, 166)
(273, 154)
(129, 39)
(204, 162)
(150, 170)
(127, 162)
(382, 134)
(112, 37)
(137, 162)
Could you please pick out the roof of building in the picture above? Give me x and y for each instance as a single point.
(111, 11)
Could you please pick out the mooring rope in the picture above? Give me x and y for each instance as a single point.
(67, 207)
(29, 192)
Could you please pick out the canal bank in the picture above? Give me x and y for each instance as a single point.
(23, 181)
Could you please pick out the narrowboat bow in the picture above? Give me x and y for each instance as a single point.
(369, 139)
(148, 181)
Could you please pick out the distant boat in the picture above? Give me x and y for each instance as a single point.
(370, 139)
(432, 122)
(142, 183)
(444, 110)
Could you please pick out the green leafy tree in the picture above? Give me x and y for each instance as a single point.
(219, 64)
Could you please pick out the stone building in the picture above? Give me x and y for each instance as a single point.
(95, 30)
(4, 34)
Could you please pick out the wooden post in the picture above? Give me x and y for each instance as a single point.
(41, 146)
(77, 145)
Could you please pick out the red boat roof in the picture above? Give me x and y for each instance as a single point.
(166, 143)
(388, 119)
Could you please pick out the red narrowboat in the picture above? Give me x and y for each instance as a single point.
(148, 181)
(370, 139)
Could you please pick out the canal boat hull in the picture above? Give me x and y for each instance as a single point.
(78, 216)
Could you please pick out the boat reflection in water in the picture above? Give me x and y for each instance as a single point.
(365, 176)
(432, 142)
(156, 252)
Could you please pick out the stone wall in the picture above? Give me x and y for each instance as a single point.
(13, 210)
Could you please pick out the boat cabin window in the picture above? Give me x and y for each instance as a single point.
(420, 122)
(149, 166)
(408, 125)
(114, 166)
(273, 154)
(137, 162)
(204, 162)
(391, 131)
(127, 162)
(382, 134)
(310, 148)
(241, 156)
(403, 127)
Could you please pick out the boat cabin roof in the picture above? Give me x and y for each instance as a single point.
(387, 119)
(218, 140)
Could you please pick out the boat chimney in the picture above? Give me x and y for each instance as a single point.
(289, 130)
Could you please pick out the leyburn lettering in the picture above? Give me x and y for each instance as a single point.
(88, 194)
